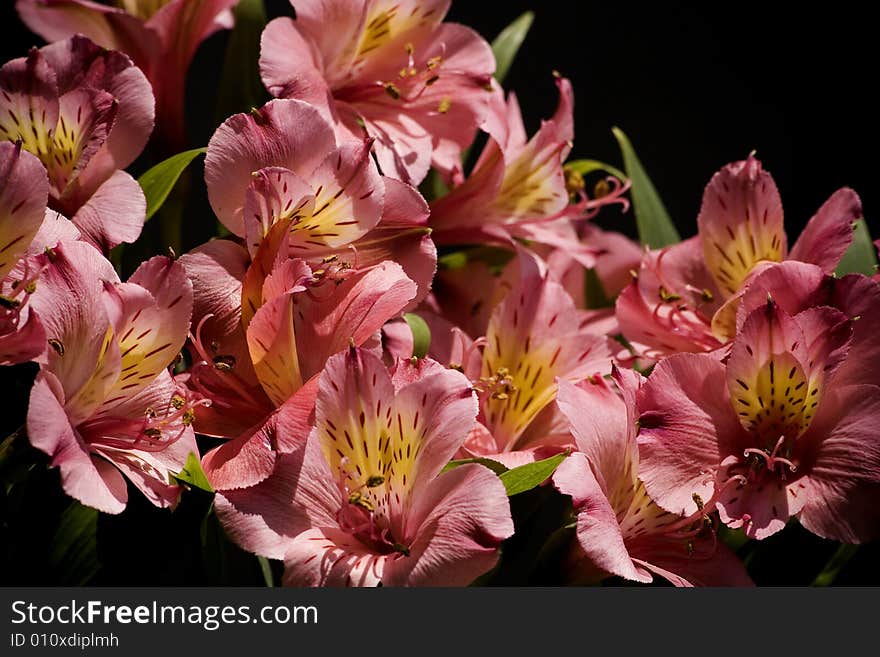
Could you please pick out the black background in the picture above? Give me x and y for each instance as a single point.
(694, 85)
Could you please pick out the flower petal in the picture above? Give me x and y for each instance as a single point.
(740, 223)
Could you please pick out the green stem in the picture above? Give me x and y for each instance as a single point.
(835, 564)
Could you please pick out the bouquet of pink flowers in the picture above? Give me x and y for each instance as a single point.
(400, 351)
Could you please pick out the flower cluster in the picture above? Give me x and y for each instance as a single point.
(733, 382)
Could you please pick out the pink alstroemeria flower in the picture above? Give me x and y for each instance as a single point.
(282, 163)
(620, 530)
(392, 70)
(86, 113)
(364, 502)
(784, 429)
(104, 404)
(160, 36)
(685, 296)
(24, 190)
(535, 338)
(518, 187)
(257, 353)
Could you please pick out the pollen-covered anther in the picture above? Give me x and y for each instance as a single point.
(392, 90)
(499, 386)
(666, 296)
(444, 105)
(574, 182)
(601, 189)
(357, 499)
(375, 480)
(224, 363)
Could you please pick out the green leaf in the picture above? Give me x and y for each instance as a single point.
(838, 560)
(860, 257)
(594, 291)
(494, 466)
(507, 43)
(240, 84)
(74, 552)
(655, 227)
(266, 569)
(421, 334)
(193, 474)
(158, 182)
(531, 475)
(585, 167)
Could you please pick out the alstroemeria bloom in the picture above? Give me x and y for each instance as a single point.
(392, 70)
(364, 502)
(535, 337)
(104, 404)
(87, 114)
(685, 296)
(620, 530)
(24, 190)
(784, 429)
(518, 188)
(282, 163)
(259, 344)
(160, 36)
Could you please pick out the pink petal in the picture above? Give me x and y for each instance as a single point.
(273, 348)
(330, 557)
(843, 477)
(290, 64)
(599, 421)
(348, 204)
(723, 568)
(685, 419)
(740, 222)
(30, 90)
(274, 192)
(859, 297)
(597, 529)
(441, 408)
(244, 461)
(829, 233)
(68, 300)
(79, 62)
(458, 522)
(285, 133)
(535, 334)
(59, 19)
(24, 190)
(354, 309)
(262, 518)
(55, 228)
(89, 479)
(113, 214)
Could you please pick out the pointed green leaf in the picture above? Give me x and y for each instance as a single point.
(193, 474)
(507, 43)
(74, 551)
(594, 291)
(158, 182)
(838, 560)
(861, 256)
(529, 476)
(266, 570)
(655, 227)
(240, 84)
(421, 334)
(494, 466)
(585, 167)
